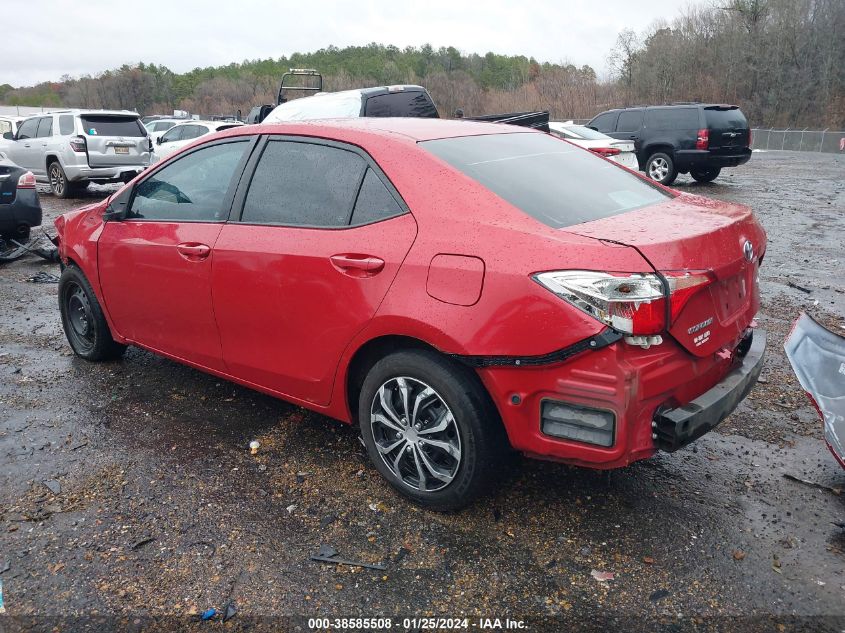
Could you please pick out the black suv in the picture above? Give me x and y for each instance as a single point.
(693, 138)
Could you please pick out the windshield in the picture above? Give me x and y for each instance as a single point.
(551, 180)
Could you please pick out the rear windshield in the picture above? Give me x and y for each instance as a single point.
(551, 180)
(584, 132)
(98, 125)
(403, 104)
(725, 118)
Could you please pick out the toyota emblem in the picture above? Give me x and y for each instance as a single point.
(748, 250)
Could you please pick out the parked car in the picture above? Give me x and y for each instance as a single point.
(157, 127)
(621, 152)
(695, 138)
(70, 148)
(184, 133)
(382, 101)
(20, 209)
(9, 123)
(454, 288)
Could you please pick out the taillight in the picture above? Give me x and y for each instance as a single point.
(26, 181)
(78, 144)
(632, 303)
(605, 151)
(703, 140)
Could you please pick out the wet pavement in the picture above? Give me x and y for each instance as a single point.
(128, 491)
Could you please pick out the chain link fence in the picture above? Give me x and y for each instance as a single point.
(829, 141)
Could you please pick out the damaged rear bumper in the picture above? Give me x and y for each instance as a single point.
(674, 428)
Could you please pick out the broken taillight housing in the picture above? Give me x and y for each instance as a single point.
(26, 181)
(703, 139)
(78, 144)
(631, 303)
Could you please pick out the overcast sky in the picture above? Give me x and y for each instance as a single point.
(72, 37)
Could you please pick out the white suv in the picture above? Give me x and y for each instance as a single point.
(70, 148)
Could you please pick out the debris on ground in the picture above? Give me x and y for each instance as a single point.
(659, 595)
(43, 277)
(229, 611)
(208, 614)
(792, 284)
(2, 607)
(602, 576)
(738, 554)
(813, 484)
(141, 542)
(53, 486)
(254, 445)
(328, 554)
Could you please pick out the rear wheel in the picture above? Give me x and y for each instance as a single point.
(661, 168)
(83, 320)
(58, 180)
(430, 429)
(705, 175)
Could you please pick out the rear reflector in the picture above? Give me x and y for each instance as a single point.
(26, 181)
(703, 140)
(606, 151)
(581, 424)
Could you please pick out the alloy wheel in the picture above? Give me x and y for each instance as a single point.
(416, 434)
(57, 181)
(658, 169)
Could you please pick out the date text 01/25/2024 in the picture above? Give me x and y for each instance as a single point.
(416, 624)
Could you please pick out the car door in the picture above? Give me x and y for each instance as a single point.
(628, 127)
(172, 140)
(155, 264)
(41, 145)
(303, 268)
(23, 151)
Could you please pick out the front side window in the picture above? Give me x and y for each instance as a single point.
(28, 129)
(554, 182)
(173, 134)
(303, 184)
(192, 188)
(605, 122)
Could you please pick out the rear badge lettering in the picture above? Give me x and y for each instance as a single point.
(702, 338)
(700, 326)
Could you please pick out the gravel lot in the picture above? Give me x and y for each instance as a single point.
(129, 498)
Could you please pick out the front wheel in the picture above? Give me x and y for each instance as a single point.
(705, 175)
(661, 168)
(430, 429)
(83, 320)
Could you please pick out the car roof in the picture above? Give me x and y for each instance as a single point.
(84, 111)
(412, 129)
(206, 122)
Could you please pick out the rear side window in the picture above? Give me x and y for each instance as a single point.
(28, 129)
(673, 119)
(725, 118)
(605, 122)
(402, 104)
(630, 121)
(303, 184)
(101, 125)
(190, 189)
(554, 182)
(45, 127)
(374, 201)
(65, 124)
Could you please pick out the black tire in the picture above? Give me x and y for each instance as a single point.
(59, 183)
(477, 427)
(661, 168)
(705, 175)
(82, 318)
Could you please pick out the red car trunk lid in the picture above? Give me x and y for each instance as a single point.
(697, 234)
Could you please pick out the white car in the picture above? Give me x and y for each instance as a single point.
(620, 151)
(9, 123)
(158, 127)
(184, 133)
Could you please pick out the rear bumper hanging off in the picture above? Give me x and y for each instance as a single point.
(675, 428)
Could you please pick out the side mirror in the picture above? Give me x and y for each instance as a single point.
(593, 127)
(115, 212)
(8, 136)
(158, 141)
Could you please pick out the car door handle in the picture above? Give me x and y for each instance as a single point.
(357, 265)
(193, 251)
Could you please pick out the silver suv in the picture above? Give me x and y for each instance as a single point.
(70, 148)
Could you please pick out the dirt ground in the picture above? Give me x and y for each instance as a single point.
(129, 498)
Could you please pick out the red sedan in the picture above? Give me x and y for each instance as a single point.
(456, 289)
